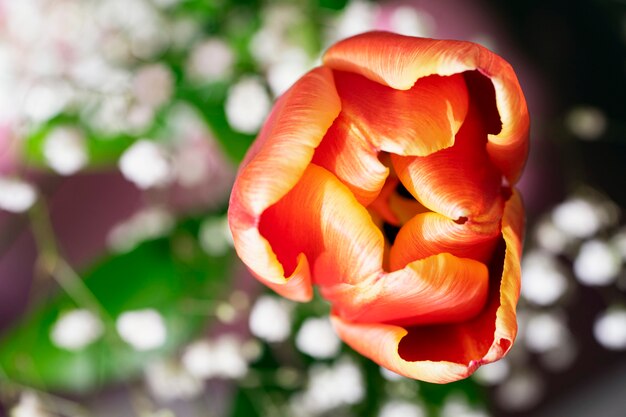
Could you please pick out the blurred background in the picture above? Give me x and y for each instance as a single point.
(122, 123)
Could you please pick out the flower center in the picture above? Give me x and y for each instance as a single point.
(393, 207)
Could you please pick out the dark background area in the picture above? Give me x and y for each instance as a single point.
(579, 47)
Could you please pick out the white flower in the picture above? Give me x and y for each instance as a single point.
(141, 23)
(270, 44)
(333, 386)
(16, 195)
(146, 224)
(27, 18)
(95, 73)
(588, 123)
(222, 358)
(44, 100)
(215, 236)
(399, 408)
(407, 20)
(169, 381)
(76, 329)
(610, 329)
(111, 115)
(543, 280)
(270, 319)
(284, 72)
(358, 17)
(229, 357)
(520, 392)
(457, 406)
(65, 150)
(493, 373)
(545, 332)
(211, 60)
(550, 237)
(138, 118)
(318, 339)
(578, 217)
(247, 105)
(146, 164)
(199, 359)
(194, 163)
(142, 329)
(390, 375)
(597, 263)
(153, 84)
(29, 406)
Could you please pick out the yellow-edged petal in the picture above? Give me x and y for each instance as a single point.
(418, 121)
(347, 154)
(513, 234)
(431, 233)
(439, 289)
(273, 165)
(322, 219)
(459, 182)
(399, 61)
(380, 342)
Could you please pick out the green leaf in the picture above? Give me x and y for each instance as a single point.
(244, 406)
(150, 276)
(332, 4)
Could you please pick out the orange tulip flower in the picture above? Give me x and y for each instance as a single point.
(385, 177)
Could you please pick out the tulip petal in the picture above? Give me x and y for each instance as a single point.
(439, 289)
(399, 61)
(458, 182)
(449, 352)
(419, 121)
(430, 233)
(380, 342)
(347, 154)
(322, 219)
(513, 233)
(405, 209)
(382, 205)
(272, 167)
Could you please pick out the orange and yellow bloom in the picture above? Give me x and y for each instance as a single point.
(386, 178)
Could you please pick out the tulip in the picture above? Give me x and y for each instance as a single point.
(386, 178)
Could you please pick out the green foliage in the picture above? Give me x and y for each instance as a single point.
(162, 274)
(244, 406)
(332, 4)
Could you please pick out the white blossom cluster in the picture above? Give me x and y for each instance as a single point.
(75, 330)
(101, 63)
(224, 357)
